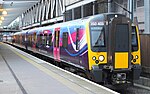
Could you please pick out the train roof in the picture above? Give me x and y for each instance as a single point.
(77, 22)
(17, 33)
(31, 31)
(82, 21)
(24, 31)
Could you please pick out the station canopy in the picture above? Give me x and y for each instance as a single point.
(13, 9)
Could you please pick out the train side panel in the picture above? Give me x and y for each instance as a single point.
(73, 45)
(44, 41)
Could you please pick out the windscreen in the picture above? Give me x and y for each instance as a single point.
(97, 36)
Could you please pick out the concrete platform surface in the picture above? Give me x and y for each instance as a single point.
(21, 73)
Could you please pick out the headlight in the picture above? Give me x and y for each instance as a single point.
(116, 16)
(101, 58)
(94, 58)
(136, 57)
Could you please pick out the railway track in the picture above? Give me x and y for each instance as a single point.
(135, 90)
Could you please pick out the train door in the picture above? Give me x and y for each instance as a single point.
(121, 42)
(56, 50)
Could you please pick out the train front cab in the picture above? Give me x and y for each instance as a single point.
(111, 56)
(97, 54)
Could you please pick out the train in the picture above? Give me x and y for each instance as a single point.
(106, 47)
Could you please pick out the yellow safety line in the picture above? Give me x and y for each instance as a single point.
(64, 81)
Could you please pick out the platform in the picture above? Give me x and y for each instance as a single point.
(21, 73)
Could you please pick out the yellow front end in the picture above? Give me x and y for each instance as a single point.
(94, 58)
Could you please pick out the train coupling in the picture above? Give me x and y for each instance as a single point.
(119, 78)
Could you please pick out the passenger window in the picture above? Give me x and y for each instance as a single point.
(77, 39)
(30, 40)
(34, 37)
(45, 39)
(41, 38)
(38, 40)
(50, 39)
(65, 39)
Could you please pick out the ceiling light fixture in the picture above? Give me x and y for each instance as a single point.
(4, 12)
(2, 18)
